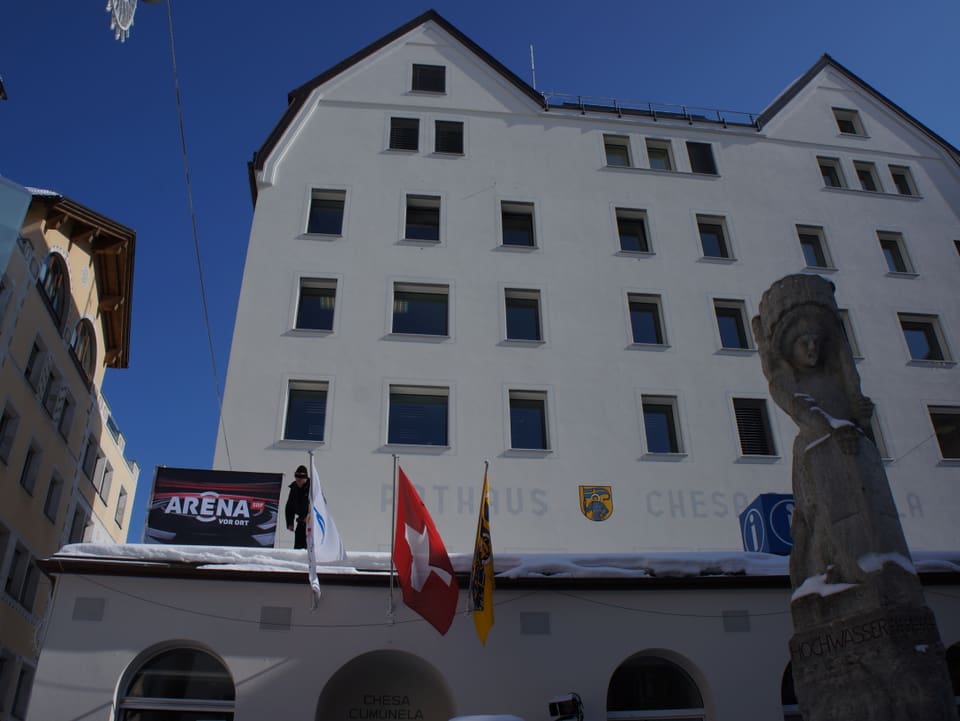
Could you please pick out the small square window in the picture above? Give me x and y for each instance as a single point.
(847, 327)
(9, 422)
(848, 121)
(404, 134)
(517, 221)
(423, 218)
(701, 158)
(923, 336)
(528, 421)
(660, 424)
(51, 503)
(316, 304)
(903, 180)
(418, 416)
(658, 153)
(523, 314)
(867, 175)
(31, 466)
(448, 137)
(326, 212)
(121, 507)
(814, 246)
(617, 149)
(831, 172)
(646, 321)
(429, 79)
(753, 427)
(946, 425)
(895, 253)
(306, 411)
(713, 237)
(732, 324)
(420, 309)
(632, 229)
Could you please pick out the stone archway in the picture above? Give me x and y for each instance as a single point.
(386, 684)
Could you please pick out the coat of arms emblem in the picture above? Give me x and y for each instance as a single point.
(596, 502)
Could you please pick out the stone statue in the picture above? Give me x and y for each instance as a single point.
(858, 609)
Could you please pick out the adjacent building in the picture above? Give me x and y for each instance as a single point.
(449, 266)
(65, 301)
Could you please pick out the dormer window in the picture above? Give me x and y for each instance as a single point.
(429, 79)
(848, 121)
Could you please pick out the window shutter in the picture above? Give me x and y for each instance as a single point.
(752, 428)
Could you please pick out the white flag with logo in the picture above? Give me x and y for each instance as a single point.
(323, 539)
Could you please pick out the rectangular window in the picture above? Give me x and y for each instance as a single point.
(517, 222)
(753, 427)
(448, 137)
(701, 158)
(91, 454)
(418, 416)
(946, 424)
(814, 246)
(660, 424)
(316, 304)
(106, 481)
(21, 696)
(848, 121)
(34, 367)
(646, 320)
(903, 180)
(306, 411)
(9, 422)
(66, 416)
(528, 421)
(617, 149)
(658, 153)
(847, 327)
(872, 431)
(732, 323)
(51, 392)
(713, 237)
(423, 218)
(78, 526)
(429, 79)
(923, 336)
(23, 577)
(523, 314)
(632, 228)
(121, 507)
(404, 134)
(31, 465)
(895, 252)
(420, 309)
(867, 175)
(831, 172)
(51, 504)
(326, 212)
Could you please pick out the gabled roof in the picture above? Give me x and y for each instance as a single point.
(298, 96)
(826, 61)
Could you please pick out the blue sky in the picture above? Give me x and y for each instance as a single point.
(96, 120)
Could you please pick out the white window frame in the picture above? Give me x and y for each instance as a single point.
(847, 324)
(907, 175)
(433, 137)
(933, 322)
(664, 398)
(389, 126)
(433, 67)
(656, 300)
(740, 307)
(317, 282)
(426, 287)
(942, 409)
(851, 116)
(865, 166)
(438, 389)
(528, 394)
(721, 220)
(301, 383)
(766, 418)
(896, 238)
(524, 293)
(56, 487)
(664, 144)
(821, 237)
(422, 201)
(837, 167)
(633, 215)
(619, 142)
(519, 207)
(28, 476)
(326, 192)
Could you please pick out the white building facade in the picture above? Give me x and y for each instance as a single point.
(445, 266)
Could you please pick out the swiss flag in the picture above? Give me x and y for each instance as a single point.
(423, 566)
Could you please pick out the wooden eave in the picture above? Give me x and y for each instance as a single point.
(297, 97)
(112, 247)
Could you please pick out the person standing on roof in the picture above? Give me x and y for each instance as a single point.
(298, 506)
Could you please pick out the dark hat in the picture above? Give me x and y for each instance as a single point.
(301, 472)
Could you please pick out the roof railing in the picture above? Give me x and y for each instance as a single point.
(656, 111)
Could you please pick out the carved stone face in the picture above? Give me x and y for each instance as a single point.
(805, 350)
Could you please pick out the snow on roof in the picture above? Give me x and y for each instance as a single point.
(569, 565)
(43, 192)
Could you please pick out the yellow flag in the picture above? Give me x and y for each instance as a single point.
(481, 573)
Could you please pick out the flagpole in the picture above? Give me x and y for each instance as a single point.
(393, 536)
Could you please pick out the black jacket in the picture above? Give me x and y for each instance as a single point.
(298, 503)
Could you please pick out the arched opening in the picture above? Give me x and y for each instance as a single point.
(788, 697)
(84, 347)
(647, 686)
(53, 280)
(386, 684)
(178, 684)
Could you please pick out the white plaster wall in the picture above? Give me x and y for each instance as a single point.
(768, 183)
